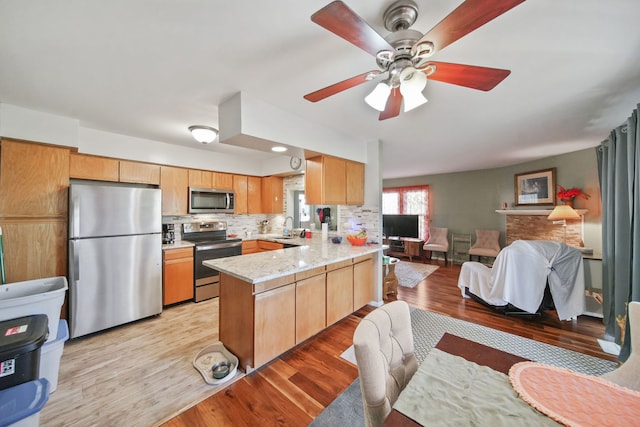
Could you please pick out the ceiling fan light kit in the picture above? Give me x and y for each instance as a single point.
(403, 55)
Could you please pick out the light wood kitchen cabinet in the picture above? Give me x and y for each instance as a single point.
(272, 194)
(199, 178)
(362, 281)
(249, 247)
(84, 166)
(275, 323)
(35, 248)
(174, 183)
(34, 179)
(254, 195)
(328, 180)
(240, 197)
(339, 291)
(177, 275)
(265, 245)
(354, 183)
(221, 180)
(139, 173)
(311, 316)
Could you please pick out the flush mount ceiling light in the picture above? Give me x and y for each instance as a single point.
(279, 149)
(203, 134)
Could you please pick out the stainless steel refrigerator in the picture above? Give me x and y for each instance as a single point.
(115, 255)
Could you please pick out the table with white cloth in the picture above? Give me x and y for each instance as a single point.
(464, 383)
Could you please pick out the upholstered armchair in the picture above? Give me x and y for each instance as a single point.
(628, 375)
(487, 244)
(383, 345)
(438, 242)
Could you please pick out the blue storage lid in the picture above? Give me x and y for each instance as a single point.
(21, 401)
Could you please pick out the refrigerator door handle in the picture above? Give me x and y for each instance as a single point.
(75, 218)
(75, 260)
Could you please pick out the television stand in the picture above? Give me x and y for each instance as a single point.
(403, 247)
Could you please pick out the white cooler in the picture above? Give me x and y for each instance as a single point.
(40, 296)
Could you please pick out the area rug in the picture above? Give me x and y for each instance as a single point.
(410, 274)
(429, 327)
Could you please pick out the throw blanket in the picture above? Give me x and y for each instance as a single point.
(521, 272)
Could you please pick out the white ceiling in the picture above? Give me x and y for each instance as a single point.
(151, 68)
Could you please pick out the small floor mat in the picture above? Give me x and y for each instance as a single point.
(209, 356)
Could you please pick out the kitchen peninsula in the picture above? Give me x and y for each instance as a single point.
(272, 301)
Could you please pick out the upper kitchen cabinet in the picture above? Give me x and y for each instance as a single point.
(139, 173)
(334, 181)
(221, 180)
(83, 166)
(254, 195)
(355, 183)
(174, 183)
(199, 178)
(34, 179)
(240, 190)
(272, 193)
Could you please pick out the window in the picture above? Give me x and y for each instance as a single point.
(412, 200)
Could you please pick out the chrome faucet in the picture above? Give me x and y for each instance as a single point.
(285, 230)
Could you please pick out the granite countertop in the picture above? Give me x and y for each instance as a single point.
(313, 252)
(178, 244)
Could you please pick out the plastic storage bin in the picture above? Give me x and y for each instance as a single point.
(20, 342)
(40, 296)
(50, 355)
(20, 406)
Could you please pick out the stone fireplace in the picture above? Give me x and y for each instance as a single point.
(532, 224)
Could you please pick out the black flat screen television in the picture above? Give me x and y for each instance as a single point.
(400, 225)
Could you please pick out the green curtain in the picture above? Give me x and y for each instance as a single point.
(619, 172)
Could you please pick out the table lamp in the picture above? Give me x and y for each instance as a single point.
(560, 214)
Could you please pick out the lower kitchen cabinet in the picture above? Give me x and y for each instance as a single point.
(275, 323)
(177, 275)
(362, 281)
(311, 316)
(339, 291)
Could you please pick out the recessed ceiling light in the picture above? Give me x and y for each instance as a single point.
(279, 149)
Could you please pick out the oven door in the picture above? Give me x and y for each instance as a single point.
(207, 279)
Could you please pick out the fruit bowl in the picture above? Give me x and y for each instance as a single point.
(355, 241)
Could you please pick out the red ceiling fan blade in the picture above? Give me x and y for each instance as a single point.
(393, 105)
(481, 78)
(469, 16)
(340, 86)
(342, 21)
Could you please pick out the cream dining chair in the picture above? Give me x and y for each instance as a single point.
(438, 242)
(487, 244)
(628, 375)
(383, 345)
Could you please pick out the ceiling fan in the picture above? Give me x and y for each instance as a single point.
(402, 56)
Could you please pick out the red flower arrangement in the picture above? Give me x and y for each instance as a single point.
(571, 193)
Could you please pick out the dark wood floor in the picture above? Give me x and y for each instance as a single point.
(293, 389)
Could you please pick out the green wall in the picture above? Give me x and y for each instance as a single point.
(465, 201)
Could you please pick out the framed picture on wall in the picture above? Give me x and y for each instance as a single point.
(537, 188)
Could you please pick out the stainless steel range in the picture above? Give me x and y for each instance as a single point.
(210, 240)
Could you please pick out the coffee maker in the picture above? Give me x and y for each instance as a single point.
(168, 234)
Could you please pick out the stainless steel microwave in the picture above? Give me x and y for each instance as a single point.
(210, 200)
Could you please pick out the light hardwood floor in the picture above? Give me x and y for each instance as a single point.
(142, 374)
